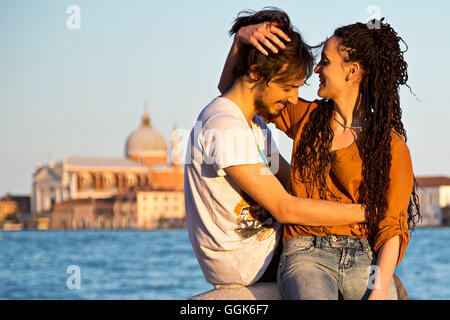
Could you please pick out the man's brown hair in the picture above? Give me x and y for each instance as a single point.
(292, 64)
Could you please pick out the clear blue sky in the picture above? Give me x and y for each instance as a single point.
(81, 92)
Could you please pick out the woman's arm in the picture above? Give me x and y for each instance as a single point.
(227, 77)
(395, 220)
(386, 262)
(255, 35)
(393, 236)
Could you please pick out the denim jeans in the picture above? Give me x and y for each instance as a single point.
(328, 268)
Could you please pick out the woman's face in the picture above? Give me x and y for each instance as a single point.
(332, 70)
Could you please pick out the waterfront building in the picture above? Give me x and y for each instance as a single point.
(81, 184)
(14, 208)
(160, 209)
(446, 216)
(137, 208)
(434, 196)
(8, 207)
(84, 178)
(83, 214)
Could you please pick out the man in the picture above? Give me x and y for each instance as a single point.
(229, 186)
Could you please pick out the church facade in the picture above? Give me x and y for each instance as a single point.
(76, 181)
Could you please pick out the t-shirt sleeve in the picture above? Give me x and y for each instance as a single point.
(226, 142)
(395, 222)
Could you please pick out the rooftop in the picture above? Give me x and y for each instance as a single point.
(72, 202)
(101, 162)
(433, 181)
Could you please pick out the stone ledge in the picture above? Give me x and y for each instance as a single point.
(259, 291)
(266, 291)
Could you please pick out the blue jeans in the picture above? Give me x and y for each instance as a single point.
(328, 268)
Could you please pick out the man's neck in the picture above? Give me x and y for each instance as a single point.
(240, 94)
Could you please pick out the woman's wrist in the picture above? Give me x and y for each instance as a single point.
(237, 42)
(378, 294)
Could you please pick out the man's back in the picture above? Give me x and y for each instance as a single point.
(232, 236)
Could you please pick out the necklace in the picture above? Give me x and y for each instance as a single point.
(349, 127)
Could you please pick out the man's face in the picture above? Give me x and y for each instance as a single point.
(273, 97)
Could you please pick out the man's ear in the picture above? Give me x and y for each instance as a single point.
(254, 73)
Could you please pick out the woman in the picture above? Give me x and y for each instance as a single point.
(348, 147)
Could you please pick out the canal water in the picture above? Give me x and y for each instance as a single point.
(160, 264)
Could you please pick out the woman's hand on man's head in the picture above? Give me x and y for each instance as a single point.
(265, 33)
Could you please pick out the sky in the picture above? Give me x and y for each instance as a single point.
(74, 82)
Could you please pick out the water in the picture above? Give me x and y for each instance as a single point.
(113, 265)
(161, 265)
(425, 268)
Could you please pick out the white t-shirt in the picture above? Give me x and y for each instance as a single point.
(232, 236)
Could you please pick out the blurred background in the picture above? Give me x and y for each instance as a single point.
(74, 82)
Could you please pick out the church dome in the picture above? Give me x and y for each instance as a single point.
(145, 141)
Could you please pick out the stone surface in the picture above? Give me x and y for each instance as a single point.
(267, 291)
(259, 291)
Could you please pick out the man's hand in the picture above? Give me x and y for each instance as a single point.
(265, 33)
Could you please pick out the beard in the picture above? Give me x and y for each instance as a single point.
(263, 110)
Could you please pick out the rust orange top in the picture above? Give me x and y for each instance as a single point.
(344, 179)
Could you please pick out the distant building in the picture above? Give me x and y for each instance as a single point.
(135, 209)
(125, 214)
(76, 181)
(83, 214)
(434, 195)
(14, 208)
(85, 178)
(7, 207)
(160, 209)
(446, 216)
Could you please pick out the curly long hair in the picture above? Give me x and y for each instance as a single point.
(378, 52)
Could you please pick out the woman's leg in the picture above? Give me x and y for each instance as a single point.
(307, 272)
(359, 278)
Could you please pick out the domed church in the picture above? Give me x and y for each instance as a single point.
(146, 145)
(145, 168)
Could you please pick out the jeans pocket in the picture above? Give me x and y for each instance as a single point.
(296, 246)
(370, 254)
